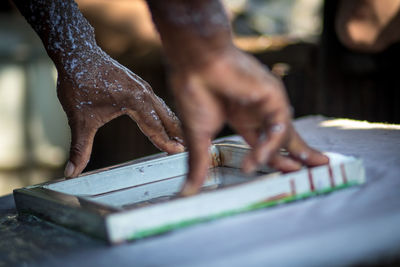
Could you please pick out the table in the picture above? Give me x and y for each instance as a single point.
(353, 226)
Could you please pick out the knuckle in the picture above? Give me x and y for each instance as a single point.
(77, 150)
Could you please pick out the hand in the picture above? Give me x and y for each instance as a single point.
(235, 88)
(97, 89)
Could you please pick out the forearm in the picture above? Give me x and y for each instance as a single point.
(192, 32)
(67, 36)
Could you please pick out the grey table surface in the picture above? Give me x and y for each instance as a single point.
(355, 226)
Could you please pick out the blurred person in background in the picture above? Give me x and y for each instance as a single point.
(369, 26)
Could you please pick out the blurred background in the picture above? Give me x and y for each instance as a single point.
(296, 39)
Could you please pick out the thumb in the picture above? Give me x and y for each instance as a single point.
(81, 148)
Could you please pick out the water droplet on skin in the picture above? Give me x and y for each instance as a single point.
(154, 115)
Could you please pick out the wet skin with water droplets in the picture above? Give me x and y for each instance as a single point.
(92, 87)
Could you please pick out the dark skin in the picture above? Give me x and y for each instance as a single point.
(212, 80)
(92, 87)
(215, 83)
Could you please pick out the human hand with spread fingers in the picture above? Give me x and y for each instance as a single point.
(215, 83)
(105, 91)
(92, 87)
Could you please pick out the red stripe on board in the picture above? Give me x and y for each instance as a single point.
(276, 197)
(292, 187)
(311, 180)
(331, 176)
(343, 173)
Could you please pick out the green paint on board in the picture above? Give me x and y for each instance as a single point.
(261, 205)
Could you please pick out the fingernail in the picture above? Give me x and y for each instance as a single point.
(323, 159)
(188, 190)
(292, 166)
(180, 148)
(69, 169)
(249, 167)
(179, 140)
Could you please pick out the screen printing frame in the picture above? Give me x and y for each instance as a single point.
(68, 202)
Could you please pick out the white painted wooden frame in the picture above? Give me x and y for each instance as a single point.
(115, 203)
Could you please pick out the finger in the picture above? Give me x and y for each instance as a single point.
(150, 124)
(199, 162)
(268, 145)
(303, 153)
(278, 162)
(274, 121)
(284, 164)
(80, 150)
(202, 115)
(170, 121)
(252, 138)
(249, 135)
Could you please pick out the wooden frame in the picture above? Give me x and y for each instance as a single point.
(139, 198)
